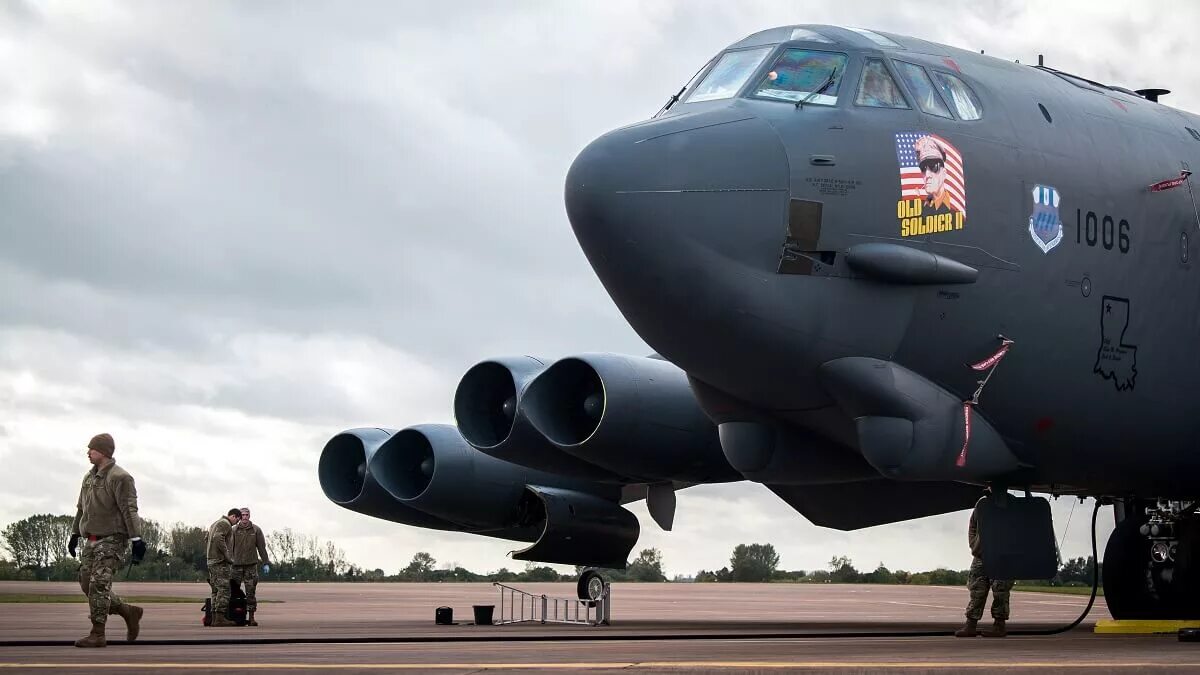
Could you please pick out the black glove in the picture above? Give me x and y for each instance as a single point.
(73, 544)
(139, 551)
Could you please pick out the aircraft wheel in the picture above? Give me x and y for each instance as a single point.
(1125, 573)
(1187, 571)
(1136, 587)
(591, 585)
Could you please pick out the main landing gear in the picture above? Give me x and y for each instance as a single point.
(1151, 564)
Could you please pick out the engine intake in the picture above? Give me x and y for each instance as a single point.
(490, 415)
(346, 479)
(485, 403)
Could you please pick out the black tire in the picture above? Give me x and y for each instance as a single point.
(1137, 588)
(1125, 574)
(585, 580)
(1187, 571)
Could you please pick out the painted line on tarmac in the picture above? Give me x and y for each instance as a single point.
(917, 604)
(615, 665)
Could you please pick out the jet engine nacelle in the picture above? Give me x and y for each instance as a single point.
(431, 468)
(631, 415)
(490, 415)
(579, 529)
(346, 479)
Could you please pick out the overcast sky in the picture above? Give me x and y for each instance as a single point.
(230, 230)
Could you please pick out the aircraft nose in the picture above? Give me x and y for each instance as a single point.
(694, 177)
(658, 206)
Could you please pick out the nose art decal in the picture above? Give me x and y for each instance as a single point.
(933, 189)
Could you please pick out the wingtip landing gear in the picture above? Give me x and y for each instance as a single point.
(591, 586)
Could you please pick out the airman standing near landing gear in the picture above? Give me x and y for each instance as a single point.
(249, 549)
(978, 584)
(106, 518)
(220, 564)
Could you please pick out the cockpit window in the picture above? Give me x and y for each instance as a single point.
(803, 75)
(809, 36)
(959, 95)
(876, 38)
(920, 86)
(877, 89)
(727, 77)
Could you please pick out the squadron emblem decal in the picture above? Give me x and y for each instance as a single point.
(933, 191)
(1045, 227)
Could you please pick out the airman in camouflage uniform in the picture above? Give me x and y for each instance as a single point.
(106, 519)
(978, 584)
(249, 550)
(220, 564)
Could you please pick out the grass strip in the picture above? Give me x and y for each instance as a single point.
(58, 598)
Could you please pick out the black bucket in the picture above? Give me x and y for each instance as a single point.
(483, 614)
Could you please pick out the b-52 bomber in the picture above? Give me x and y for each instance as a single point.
(878, 273)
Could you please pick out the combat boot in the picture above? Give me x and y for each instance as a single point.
(133, 620)
(250, 620)
(94, 638)
(219, 620)
(969, 629)
(997, 630)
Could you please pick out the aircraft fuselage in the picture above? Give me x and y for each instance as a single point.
(1046, 196)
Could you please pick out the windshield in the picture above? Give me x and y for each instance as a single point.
(960, 96)
(877, 88)
(920, 86)
(799, 74)
(728, 76)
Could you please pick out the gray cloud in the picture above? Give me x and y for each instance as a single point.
(230, 230)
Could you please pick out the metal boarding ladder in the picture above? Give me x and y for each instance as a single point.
(518, 606)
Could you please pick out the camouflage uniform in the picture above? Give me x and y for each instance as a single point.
(106, 516)
(220, 564)
(249, 551)
(99, 560)
(978, 583)
(247, 575)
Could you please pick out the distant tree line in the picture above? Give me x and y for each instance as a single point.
(646, 567)
(759, 563)
(37, 550)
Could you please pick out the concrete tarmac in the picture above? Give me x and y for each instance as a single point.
(668, 627)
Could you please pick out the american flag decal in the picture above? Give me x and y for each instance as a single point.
(912, 181)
